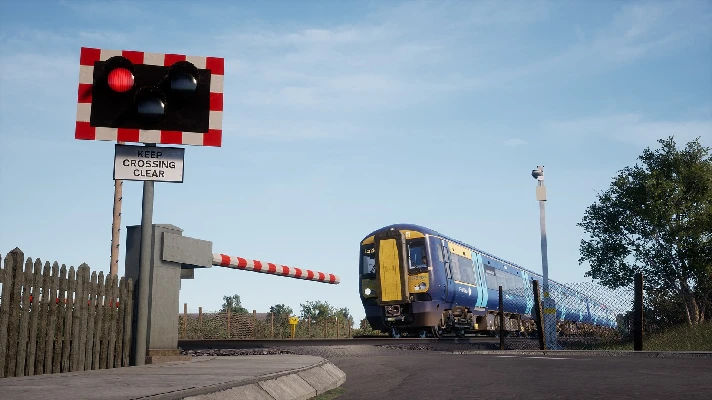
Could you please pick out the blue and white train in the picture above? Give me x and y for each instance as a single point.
(416, 281)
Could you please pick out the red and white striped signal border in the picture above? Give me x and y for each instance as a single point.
(245, 264)
(84, 131)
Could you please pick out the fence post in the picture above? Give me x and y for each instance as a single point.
(501, 320)
(76, 305)
(14, 303)
(36, 308)
(98, 319)
(200, 321)
(68, 312)
(538, 317)
(185, 320)
(111, 323)
(638, 313)
(43, 318)
(5, 310)
(128, 318)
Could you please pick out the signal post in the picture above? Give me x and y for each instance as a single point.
(549, 303)
(149, 98)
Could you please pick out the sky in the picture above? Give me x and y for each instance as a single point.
(342, 117)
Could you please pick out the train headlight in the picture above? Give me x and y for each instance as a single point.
(421, 286)
(367, 291)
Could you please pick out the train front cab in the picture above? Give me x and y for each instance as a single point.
(396, 273)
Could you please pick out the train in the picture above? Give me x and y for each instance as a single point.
(415, 281)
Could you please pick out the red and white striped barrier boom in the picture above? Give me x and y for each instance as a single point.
(245, 264)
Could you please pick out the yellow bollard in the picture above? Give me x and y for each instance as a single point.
(293, 321)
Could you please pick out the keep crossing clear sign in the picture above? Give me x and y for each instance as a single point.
(148, 163)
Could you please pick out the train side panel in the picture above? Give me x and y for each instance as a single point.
(461, 282)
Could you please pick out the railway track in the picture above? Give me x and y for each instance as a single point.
(198, 344)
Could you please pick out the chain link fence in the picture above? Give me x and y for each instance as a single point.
(589, 316)
(580, 316)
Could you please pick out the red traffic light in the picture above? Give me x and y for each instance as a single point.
(119, 74)
(120, 80)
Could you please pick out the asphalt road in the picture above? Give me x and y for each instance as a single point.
(378, 373)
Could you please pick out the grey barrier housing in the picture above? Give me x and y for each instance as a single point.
(173, 257)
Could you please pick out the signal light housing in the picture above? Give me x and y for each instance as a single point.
(183, 78)
(150, 98)
(150, 105)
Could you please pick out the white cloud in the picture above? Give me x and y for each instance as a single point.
(458, 15)
(38, 70)
(410, 54)
(122, 9)
(633, 129)
(422, 52)
(294, 129)
(634, 33)
(42, 41)
(393, 59)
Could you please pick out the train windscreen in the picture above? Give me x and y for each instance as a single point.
(368, 260)
(418, 256)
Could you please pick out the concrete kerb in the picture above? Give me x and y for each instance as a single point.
(610, 353)
(296, 384)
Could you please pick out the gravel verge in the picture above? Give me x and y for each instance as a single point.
(235, 352)
(329, 352)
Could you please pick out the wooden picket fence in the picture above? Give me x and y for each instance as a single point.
(53, 320)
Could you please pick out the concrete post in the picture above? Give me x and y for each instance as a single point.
(172, 258)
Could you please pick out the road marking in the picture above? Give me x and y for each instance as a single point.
(506, 356)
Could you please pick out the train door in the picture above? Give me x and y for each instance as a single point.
(391, 261)
(449, 293)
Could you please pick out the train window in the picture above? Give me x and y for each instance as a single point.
(501, 280)
(455, 267)
(491, 280)
(368, 260)
(436, 249)
(465, 269)
(513, 282)
(417, 256)
(446, 258)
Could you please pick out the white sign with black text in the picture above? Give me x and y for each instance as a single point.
(148, 163)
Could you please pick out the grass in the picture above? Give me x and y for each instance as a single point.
(331, 394)
(681, 338)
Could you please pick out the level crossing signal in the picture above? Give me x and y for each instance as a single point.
(143, 97)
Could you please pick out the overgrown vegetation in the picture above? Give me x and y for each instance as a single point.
(678, 338)
(331, 394)
(656, 218)
(317, 319)
(233, 304)
(365, 329)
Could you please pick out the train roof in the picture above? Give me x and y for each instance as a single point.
(429, 231)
